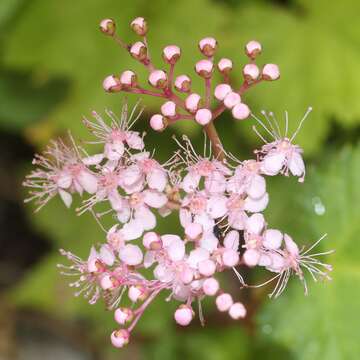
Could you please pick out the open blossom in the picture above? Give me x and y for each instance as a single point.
(219, 199)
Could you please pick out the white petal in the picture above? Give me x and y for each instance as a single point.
(272, 239)
(88, 181)
(155, 198)
(149, 259)
(176, 250)
(196, 256)
(134, 140)
(257, 187)
(167, 239)
(131, 175)
(215, 183)
(216, 206)
(132, 230)
(93, 160)
(237, 219)
(107, 255)
(185, 217)
(232, 240)
(273, 163)
(255, 223)
(157, 179)
(296, 164)
(205, 221)
(131, 255)
(114, 151)
(163, 273)
(209, 241)
(256, 205)
(64, 181)
(291, 245)
(190, 182)
(65, 197)
(146, 217)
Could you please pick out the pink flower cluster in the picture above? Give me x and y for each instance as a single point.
(219, 198)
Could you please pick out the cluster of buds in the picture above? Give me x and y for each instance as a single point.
(219, 198)
(202, 108)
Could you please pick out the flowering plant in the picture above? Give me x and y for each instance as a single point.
(219, 198)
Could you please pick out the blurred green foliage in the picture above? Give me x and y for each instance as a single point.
(53, 59)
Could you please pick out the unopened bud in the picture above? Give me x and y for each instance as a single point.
(139, 26)
(221, 91)
(158, 79)
(230, 257)
(270, 72)
(240, 111)
(224, 302)
(210, 286)
(253, 49)
(207, 267)
(152, 240)
(203, 116)
(192, 102)
(123, 315)
(108, 27)
(251, 72)
(136, 293)
(237, 311)
(112, 84)
(183, 83)
(158, 122)
(168, 109)
(204, 68)
(232, 99)
(139, 51)
(183, 315)
(128, 79)
(225, 65)
(120, 338)
(208, 46)
(171, 54)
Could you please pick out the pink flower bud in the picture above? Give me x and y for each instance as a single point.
(251, 72)
(193, 230)
(224, 302)
(208, 46)
(158, 122)
(138, 51)
(108, 27)
(108, 282)
(270, 72)
(207, 267)
(158, 79)
(251, 257)
(139, 26)
(230, 257)
(225, 65)
(237, 311)
(204, 68)
(192, 102)
(240, 111)
(272, 239)
(123, 315)
(183, 83)
(253, 49)
(112, 84)
(168, 109)
(186, 275)
(152, 241)
(210, 286)
(232, 99)
(221, 91)
(136, 293)
(183, 315)
(120, 338)
(171, 54)
(128, 78)
(203, 116)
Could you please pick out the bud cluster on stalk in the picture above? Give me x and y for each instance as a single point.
(219, 199)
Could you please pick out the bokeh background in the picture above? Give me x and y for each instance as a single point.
(52, 62)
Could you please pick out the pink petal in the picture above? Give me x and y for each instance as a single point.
(65, 197)
(209, 241)
(215, 183)
(132, 230)
(273, 163)
(107, 255)
(131, 255)
(155, 198)
(255, 224)
(134, 140)
(197, 256)
(257, 187)
(93, 160)
(231, 240)
(176, 250)
(296, 164)
(88, 181)
(291, 246)
(146, 217)
(216, 206)
(157, 179)
(256, 205)
(272, 239)
(190, 182)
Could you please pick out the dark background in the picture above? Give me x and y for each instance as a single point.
(52, 62)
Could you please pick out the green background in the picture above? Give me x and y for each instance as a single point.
(52, 62)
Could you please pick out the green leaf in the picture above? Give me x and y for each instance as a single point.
(323, 324)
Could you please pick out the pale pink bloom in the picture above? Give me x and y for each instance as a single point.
(171, 54)
(139, 26)
(120, 338)
(225, 65)
(168, 109)
(131, 255)
(207, 267)
(203, 116)
(221, 91)
(272, 239)
(210, 286)
(253, 48)
(183, 83)
(270, 72)
(204, 68)
(193, 230)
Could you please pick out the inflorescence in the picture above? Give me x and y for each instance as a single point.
(219, 198)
